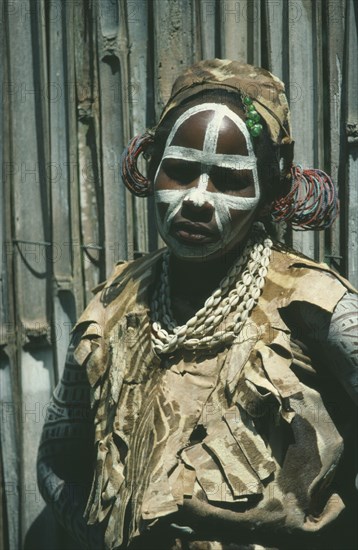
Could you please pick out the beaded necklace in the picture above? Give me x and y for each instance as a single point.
(239, 290)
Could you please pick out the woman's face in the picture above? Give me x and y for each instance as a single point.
(206, 185)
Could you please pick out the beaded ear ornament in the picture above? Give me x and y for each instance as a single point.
(137, 184)
(253, 118)
(312, 202)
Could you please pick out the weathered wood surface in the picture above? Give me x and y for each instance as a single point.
(350, 135)
(301, 45)
(87, 162)
(66, 291)
(112, 55)
(138, 37)
(80, 78)
(335, 17)
(9, 389)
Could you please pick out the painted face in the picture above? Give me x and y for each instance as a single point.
(206, 185)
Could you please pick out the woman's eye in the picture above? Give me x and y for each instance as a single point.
(181, 171)
(225, 179)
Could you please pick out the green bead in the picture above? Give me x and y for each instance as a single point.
(254, 115)
(251, 108)
(256, 130)
(247, 100)
(250, 123)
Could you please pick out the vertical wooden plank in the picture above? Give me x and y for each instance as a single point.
(240, 30)
(114, 125)
(275, 59)
(9, 374)
(303, 109)
(3, 541)
(137, 22)
(351, 194)
(63, 179)
(70, 24)
(174, 44)
(319, 102)
(10, 449)
(253, 17)
(207, 24)
(233, 29)
(29, 162)
(335, 29)
(90, 212)
(275, 36)
(9, 388)
(29, 179)
(4, 245)
(37, 379)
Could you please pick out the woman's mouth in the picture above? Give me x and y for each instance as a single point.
(193, 233)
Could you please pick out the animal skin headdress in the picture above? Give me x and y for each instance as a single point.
(312, 202)
(266, 91)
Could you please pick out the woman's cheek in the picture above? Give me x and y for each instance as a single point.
(162, 210)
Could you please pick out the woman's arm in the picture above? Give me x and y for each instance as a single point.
(65, 457)
(335, 337)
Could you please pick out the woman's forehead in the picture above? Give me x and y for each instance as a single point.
(192, 130)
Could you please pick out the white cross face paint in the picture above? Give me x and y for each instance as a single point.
(221, 203)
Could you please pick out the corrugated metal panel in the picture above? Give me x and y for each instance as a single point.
(83, 77)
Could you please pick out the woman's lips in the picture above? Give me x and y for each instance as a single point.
(194, 233)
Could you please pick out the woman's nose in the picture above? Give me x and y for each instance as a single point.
(197, 212)
(196, 206)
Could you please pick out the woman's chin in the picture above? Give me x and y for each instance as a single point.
(193, 249)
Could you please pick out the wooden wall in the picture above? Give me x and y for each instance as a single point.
(79, 78)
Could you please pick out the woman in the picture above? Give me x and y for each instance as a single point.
(207, 370)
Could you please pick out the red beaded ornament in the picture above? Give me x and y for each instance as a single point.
(137, 184)
(312, 202)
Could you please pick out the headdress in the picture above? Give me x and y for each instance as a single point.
(312, 202)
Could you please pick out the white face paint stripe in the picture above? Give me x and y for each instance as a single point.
(234, 162)
(209, 147)
(220, 111)
(212, 132)
(235, 203)
(221, 202)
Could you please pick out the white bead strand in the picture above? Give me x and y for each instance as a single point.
(199, 331)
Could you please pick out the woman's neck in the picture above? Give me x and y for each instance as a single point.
(191, 282)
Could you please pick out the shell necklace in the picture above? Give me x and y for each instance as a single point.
(239, 290)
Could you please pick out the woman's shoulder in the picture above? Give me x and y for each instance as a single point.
(125, 290)
(295, 277)
(124, 286)
(123, 295)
